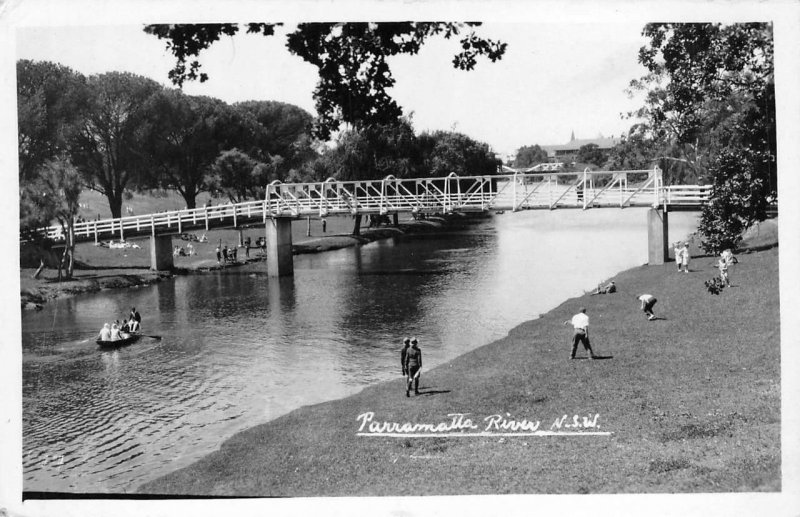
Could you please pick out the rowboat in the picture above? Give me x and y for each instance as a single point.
(132, 338)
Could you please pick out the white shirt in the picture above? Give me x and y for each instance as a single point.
(646, 297)
(580, 321)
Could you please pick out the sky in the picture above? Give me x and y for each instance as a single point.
(555, 79)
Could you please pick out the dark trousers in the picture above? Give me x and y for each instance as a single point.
(648, 307)
(413, 377)
(580, 337)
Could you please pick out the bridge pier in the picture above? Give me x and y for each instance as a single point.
(657, 236)
(161, 252)
(280, 261)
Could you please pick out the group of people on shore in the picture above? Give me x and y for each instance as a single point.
(580, 321)
(116, 331)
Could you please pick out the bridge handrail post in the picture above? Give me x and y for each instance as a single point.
(514, 193)
(583, 187)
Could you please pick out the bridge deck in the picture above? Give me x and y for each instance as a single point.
(586, 190)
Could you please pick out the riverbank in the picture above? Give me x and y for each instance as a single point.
(103, 268)
(692, 402)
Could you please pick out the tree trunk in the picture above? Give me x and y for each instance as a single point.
(115, 204)
(39, 271)
(70, 249)
(357, 225)
(396, 219)
(61, 263)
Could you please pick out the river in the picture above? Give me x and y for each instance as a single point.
(238, 349)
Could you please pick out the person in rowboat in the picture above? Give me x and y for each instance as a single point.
(115, 336)
(135, 322)
(105, 333)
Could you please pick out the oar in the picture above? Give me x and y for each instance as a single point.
(154, 337)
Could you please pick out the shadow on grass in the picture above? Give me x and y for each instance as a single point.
(596, 358)
(431, 391)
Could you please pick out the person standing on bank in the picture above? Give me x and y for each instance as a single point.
(413, 366)
(685, 257)
(648, 300)
(580, 322)
(403, 353)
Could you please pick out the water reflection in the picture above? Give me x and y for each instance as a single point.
(239, 348)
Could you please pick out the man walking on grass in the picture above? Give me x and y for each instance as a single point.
(580, 323)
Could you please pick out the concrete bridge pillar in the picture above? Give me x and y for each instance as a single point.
(161, 252)
(279, 247)
(657, 236)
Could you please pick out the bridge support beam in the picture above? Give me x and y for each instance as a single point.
(279, 247)
(657, 236)
(161, 252)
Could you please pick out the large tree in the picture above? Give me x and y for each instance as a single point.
(49, 101)
(185, 135)
(703, 82)
(444, 152)
(374, 152)
(591, 154)
(282, 130)
(711, 95)
(354, 74)
(52, 195)
(529, 155)
(108, 146)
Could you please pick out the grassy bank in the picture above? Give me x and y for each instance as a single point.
(692, 400)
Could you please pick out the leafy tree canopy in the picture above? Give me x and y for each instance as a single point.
(591, 154)
(49, 100)
(528, 156)
(351, 59)
(711, 100)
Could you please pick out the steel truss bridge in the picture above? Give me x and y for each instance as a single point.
(518, 191)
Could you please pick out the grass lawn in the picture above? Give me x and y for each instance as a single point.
(692, 400)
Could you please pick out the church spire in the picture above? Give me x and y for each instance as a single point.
(572, 137)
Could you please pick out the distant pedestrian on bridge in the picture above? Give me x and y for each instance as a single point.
(580, 322)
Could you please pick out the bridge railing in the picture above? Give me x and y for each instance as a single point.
(519, 191)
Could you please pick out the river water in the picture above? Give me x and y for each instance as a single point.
(238, 349)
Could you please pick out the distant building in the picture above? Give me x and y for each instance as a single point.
(567, 152)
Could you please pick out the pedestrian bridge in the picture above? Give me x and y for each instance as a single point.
(504, 192)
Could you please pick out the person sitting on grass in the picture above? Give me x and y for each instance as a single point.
(648, 301)
(605, 289)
